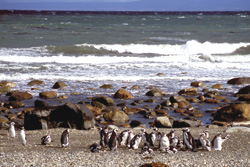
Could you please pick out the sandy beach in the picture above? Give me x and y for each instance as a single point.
(235, 152)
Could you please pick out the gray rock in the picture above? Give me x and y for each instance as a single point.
(237, 129)
(186, 123)
(163, 122)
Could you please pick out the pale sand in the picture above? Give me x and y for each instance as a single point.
(236, 151)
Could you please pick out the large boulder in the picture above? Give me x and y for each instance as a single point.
(36, 82)
(188, 92)
(72, 115)
(107, 101)
(197, 84)
(163, 122)
(156, 92)
(48, 95)
(19, 96)
(186, 123)
(37, 119)
(123, 94)
(244, 90)
(116, 116)
(236, 112)
(239, 81)
(5, 89)
(59, 85)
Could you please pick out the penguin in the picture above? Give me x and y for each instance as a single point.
(113, 140)
(46, 139)
(11, 131)
(174, 141)
(95, 148)
(204, 141)
(146, 137)
(188, 139)
(172, 150)
(206, 133)
(153, 136)
(146, 149)
(65, 138)
(22, 136)
(135, 142)
(123, 137)
(164, 142)
(104, 136)
(171, 136)
(129, 139)
(218, 141)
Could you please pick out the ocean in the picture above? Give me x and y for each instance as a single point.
(88, 49)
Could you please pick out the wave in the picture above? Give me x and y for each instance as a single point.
(190, 47)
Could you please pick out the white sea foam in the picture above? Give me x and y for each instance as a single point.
(190, 47)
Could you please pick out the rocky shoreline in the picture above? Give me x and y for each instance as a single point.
(235, 151)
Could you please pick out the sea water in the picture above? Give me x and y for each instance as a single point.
(88, 49)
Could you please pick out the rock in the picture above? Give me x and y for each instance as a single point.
(96, 111)
(188, 92)
(37, 119)
(12, 117)
(7, 83)
(161, 112)
(3, 120)
(237, 129)
(5, 89)
(41, 104)
(202, 98)
(116, 116)
(236, 112)
(212, 101)
(106, 86)
(135, 87)
(219, 123)
(14, 104)
(4, 110)
(72, 115)
(134, 123)
(183, 104)
(59, 85)
(36, 82)
(193, 100)
(150, 100)
(244, 97)
(239, 81)
(217, 86)
(197, 84)
(178, 110)
(155, 164)
(244, 90)
(186, 123)
(48, 95)
(123, 94)
(163, 122)
(176, 99)
(211, 94)
(107, 101)
(19, 96)
(196, 114)
(166, 103)
(98, 104)
(244, 123)
(156, 92)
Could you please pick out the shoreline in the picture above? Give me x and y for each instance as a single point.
(235, 151)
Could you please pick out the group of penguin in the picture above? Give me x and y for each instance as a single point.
(169, 143)
(156, 140)
(44, 140)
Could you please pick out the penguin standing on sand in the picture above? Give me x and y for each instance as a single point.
(153, 136)
(46, 139)
(204, 141)
(188, 139)
(65, 138)
(146, 137)
(113, 140)
(164, 142)
(135, 142)
(12, 131)
(129, 139)
(218, 141)
(123, 137)
(22, 136)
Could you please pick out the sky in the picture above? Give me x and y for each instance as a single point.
(127, 5)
